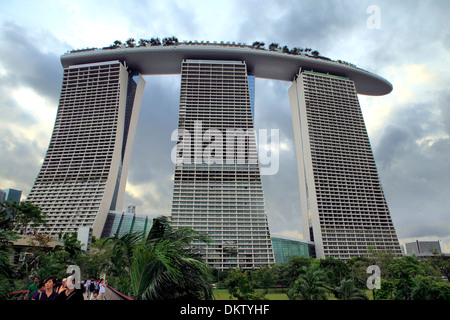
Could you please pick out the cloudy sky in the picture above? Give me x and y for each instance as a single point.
(406, 42)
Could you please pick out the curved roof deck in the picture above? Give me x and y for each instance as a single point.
(158, 60)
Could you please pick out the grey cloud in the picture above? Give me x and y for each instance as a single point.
(415, 176)
(20, 159)
(414, 230)
(26, 64)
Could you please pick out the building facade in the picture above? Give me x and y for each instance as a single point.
(119, 223)
(344, 210)
(423, 247)
(285, 249)
(217, 185)
(85, 169)
(218, 189)
(10, 195)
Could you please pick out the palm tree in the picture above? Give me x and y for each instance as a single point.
(348, 291)
(122, 251)
(131, 42)
(143, 42)
(273, 46)
(310, 285)
(155, 42)
(165, 266)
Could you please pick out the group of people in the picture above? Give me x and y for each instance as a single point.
(53, 289)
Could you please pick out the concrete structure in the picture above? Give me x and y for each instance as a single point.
(343, 204)
(220, 192)
(85, 169)
(85, 237)
(84, 172)
(421, 248)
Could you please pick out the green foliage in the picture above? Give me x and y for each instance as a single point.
(310, 285)
(20, 215)
(348, 291)
(335, 271)
(265, 277)
(427, 288)
(403, 271)
(165, 267)
(241, 286)
(292, 270)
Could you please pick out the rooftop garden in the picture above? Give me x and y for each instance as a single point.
(173, 41)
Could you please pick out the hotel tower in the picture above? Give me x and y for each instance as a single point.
(344, 210)
(217, 187)
(85, 169)
(217, 180)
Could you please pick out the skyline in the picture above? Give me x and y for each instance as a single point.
(408, 129)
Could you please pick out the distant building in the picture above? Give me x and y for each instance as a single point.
(85, 237)
(423, 247)
(119, 223)
(11, 195)
(131, 209)
(284, 249)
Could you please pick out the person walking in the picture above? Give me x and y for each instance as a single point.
(71, 293)
(102, 289)
(94, 295)
(38, 292)
(92, 287)
(32, 288)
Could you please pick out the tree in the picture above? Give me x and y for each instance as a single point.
(290, 271)
(170, 41)
(23, 215)
(131, 42)
(265, 277)
(358, 270)
(381, 258)
(404, 270)
(164, 266)
(335, 270)
(155, 42)
(295, 51)
(348, 291)
(122, 252)
(258, 45)
(143, 42)
(386, 292)
(274, 46)
(286, 49)
(442, 264)
(310, 285)
(426, 288)
(71, 245)
(240, 285)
